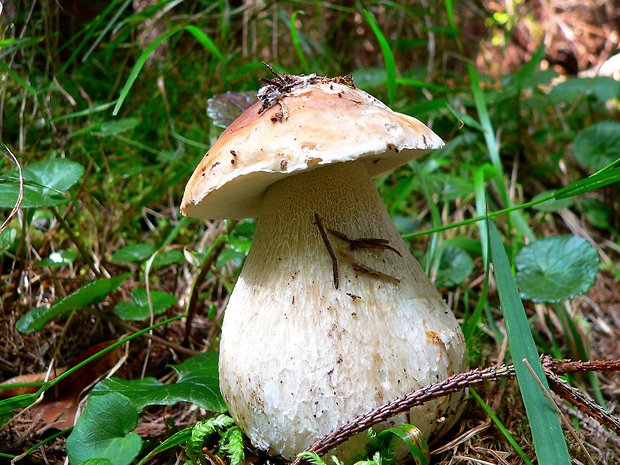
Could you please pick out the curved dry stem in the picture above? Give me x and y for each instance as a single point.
(20, 195)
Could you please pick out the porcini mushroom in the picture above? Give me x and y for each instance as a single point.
(331, 314)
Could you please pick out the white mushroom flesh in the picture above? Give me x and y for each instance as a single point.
(300, 357)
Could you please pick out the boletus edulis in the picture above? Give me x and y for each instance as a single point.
(331, 314)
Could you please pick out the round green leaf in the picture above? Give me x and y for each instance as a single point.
(139, 310)
(598, 145)
(133, 253)
(556, 268)
(169, 257)
(104, 431)
(197, 382)
(455, 266)
(97, 461)
(597, 212)
(91, 293)
(600, 89)
(59, 174)
(45, 184)
(118, 126)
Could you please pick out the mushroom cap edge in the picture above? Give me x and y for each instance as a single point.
(315, 125)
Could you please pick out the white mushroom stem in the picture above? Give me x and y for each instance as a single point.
(300, 357)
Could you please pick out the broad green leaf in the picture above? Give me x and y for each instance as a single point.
(105, 431)
(596, 212)
(449, 186)
(45, 184)
(91, 293)
(168, 257)
(59, 174)
(598, 145)
(549, 440)
(138, 309)
(98, 461)
(59, 258)
(455, 266)
(7, 237)
(241, 245)
(556, 268)
(134, 253)
(34, 196)
(600, 88)
(197, 383)
(111, 128)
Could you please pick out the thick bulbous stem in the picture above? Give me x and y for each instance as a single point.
(300, 356)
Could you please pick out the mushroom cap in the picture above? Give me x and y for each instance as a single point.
(317, 122)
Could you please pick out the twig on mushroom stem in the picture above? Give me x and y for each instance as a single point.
(365, 242)
(368, 270)
(462, 381)
(328, 246)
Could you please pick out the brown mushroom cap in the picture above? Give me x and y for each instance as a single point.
(315, 124)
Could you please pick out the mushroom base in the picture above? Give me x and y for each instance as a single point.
(299, 355)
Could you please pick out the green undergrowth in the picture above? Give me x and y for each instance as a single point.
(102, 125)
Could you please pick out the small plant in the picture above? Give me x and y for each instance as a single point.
(382, 447)
(230, 442)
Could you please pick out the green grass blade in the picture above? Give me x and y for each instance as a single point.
(487, 128)
(205, 41)
(88, 32)
(388, 57)
(86, 112)
(452, 21)
(200, 36)
(547, 432)
(493, 149)
(509, 437)
(608, 175)
(17, 78)
(296, 43)
(432, 257)
(108, 26)
(481, 210)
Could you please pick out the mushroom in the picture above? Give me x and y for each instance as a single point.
(331, 314)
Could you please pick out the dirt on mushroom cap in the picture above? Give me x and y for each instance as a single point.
(327, 121)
